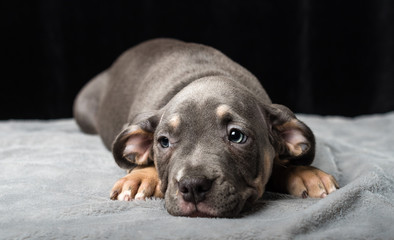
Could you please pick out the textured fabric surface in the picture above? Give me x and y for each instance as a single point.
(55, 183)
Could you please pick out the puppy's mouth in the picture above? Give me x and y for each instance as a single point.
(205, 209)
(196, 210)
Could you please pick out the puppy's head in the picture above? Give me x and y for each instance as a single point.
(214, 147)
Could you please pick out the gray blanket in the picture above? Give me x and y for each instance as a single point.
(55, 183)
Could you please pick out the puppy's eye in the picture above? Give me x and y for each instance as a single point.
(237, 136)
(164, 142)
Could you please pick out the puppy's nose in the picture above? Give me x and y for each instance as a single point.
(194, 189)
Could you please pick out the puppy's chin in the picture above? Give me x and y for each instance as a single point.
(202, 211)
(195, 210)
(179, 207)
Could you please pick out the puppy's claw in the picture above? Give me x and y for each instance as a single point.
(126, 197)
(140, 196)
(114, 195)
(336, 184)
(304, 194)
(332, 189)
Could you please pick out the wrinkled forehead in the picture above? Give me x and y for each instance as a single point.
(211, 111)
(207, 100)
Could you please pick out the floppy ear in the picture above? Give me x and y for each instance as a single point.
(293, 141)
(133, 145)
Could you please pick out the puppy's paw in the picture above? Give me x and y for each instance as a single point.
(140, 183)
(307, 181)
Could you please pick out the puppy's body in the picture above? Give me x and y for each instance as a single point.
(204, 121)
(147, 77)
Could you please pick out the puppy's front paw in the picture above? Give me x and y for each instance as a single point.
(140, 183)
(307, 181)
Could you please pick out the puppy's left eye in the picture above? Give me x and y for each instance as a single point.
(237, 136)
(164, 142)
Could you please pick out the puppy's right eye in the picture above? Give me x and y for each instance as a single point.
(237, 136)
(164, 142)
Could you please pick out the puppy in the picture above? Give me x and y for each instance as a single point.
(196, 128)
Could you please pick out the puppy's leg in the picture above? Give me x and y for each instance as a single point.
(140, 183)
(302, 181)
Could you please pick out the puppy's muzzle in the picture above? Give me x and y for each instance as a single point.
(194, 188)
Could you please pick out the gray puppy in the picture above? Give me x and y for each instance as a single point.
(196, 128)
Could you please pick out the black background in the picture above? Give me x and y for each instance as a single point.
(320, 57)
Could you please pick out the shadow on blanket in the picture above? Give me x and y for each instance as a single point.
(55, 183)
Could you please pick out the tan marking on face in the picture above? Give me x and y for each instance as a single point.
(175, 121)
(222, 110)
(180, 174)
(263, 176)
